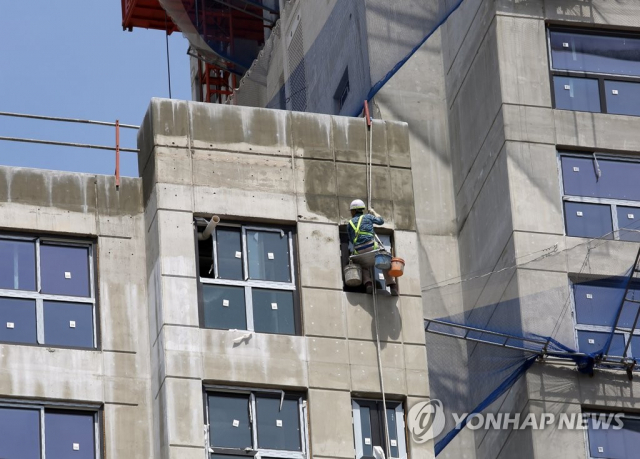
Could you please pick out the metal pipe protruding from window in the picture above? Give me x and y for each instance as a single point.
(209, 229)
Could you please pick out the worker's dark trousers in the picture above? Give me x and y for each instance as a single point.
(367, 264)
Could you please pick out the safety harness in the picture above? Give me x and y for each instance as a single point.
(359, 232)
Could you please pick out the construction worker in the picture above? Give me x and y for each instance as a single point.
(362, 238)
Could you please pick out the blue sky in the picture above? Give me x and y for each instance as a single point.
(72, 59)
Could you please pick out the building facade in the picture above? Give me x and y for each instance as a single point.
(132, 333)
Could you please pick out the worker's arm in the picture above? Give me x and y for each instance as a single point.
(376, 218)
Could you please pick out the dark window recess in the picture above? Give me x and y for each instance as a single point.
(588, 220)
(579, 94)
(595, 71)
(224, 307)
(18, 321)
(342, 91)
(278, 427)
(273, 311)
(64, 270)
(229, 425)
(593, 342)
(372, 433)
(69, 434)
(17, 265)
(613, 443)
(19, 433)
(247, 279)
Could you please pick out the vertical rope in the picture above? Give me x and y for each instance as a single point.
(166, 37)
(370, 164)
(384, 398)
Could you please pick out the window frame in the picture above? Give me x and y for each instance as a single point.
(42, 407)
(612, 203)
(247, 283)
(626, 333)
(600, 77)
(357, 426)
(589, 411)
(40, 298)
(256, 452)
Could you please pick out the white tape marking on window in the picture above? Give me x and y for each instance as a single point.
(236, 423)
(579, 213)
(380, 276)
(72, 324)
(600, 449)
(592, 341)
(238, 254)
(394, 443)
(225, 303)
(614, 92)
(589, 296)
(367, 441)
(576, 169)
(10, 325)
(567, 87)
(631, 216)
(67, 275)
(274, 305)
(270, 256)
(278, 422)
(565, 45)
(76, 446)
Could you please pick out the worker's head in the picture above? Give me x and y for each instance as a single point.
(357, 207)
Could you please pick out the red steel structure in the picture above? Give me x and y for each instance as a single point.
(220, 24)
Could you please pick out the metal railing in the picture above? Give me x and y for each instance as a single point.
(115, 148)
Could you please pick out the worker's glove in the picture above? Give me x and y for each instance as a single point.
(374, 213)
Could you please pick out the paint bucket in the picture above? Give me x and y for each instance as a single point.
(353, 275)
(397, 267)
(383, 261)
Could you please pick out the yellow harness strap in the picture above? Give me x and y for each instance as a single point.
(358, 233)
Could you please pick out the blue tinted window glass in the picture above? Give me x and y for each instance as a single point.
(597, 303)
(269, 256)
(273, 311)
(68, 324)
(278, 428)
(392, 427)
(591, 342)
(629, 217)
(617, 55)
(19, 433)
(635, 347)
(64, 270)
(627, 99)
(579, 94)
(64, 430)
(588, 220)
(618, 179)
(229, 421)
(224, 307)
(365, 424)
(18, 321)
(17, 265)
(229, 247)
(611, 443)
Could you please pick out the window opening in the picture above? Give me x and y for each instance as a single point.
(342, 91)
(606, 440)
(368, 426)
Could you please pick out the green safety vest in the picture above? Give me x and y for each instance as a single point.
(358, 233)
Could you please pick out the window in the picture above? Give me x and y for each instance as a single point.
(255, 423)
(601, 196)
(596, 310)
(47, 293)
(247, 276)
(368, 428)
(345, 251)
(32, 432)
(342, 91)
(608, 441)
(594, 71)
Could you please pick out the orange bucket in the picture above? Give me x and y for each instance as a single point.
(397, 267)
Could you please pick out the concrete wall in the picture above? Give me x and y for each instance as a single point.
(293, 168)
(115, 376)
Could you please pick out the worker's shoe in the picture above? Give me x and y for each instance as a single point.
(369, 287)
(393, 288)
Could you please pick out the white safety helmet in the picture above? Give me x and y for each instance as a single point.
(357, 204)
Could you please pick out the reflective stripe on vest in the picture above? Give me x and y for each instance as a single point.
(358, 233)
